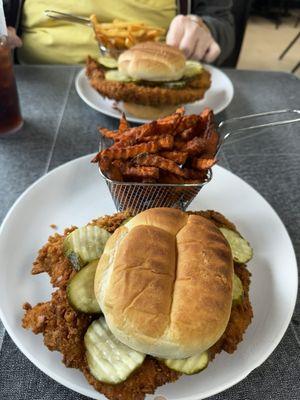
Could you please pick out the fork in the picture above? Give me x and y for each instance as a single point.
(67, 17)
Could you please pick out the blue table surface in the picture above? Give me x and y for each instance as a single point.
(60, 127)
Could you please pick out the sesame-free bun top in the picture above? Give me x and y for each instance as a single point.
(152, 61)
(164, 283)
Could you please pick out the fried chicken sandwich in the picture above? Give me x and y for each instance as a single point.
(152, 79)
(169, 292)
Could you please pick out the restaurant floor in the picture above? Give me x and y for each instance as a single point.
(263, 44)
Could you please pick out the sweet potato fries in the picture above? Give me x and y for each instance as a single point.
(175, 149)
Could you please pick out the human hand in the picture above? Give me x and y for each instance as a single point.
(190, 34)
(13, 38)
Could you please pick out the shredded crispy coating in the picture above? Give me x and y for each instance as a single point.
(51, 259)
(64, 329)
(147, 95)
(240, 318)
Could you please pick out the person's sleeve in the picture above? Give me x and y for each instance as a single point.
(12, 10)
(218, 17)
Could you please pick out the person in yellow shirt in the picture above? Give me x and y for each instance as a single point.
(203, 30)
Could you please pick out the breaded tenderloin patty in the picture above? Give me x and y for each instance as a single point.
(146, 95)
(63, 328)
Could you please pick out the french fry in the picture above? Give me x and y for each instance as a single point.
(203, 163)
(192, 147)
(121, 35)
(212, 143)
(112, 33)
(162, 126)
(178, 156)
(167, 177)
(187, 122)
(137, 172)
(104, 164)
(195, 175)
(138, 33)
(169, 126)
(123, 124)
(108, 133)
(124, 153)
(135, 135)
(128, 42)
(151, 35)
(119, 42)
(176, 149)
(159, 162)
(114, 173)
(187, 134)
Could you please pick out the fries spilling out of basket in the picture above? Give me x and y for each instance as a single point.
(122, 35)
(177, 149)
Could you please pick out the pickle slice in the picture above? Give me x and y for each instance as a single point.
(237, 290)
(175, 84)
(80, 290)
(115, 75)
(108, 62)
(85, 244)
(189, 366)
(109, 360)
(126, 220)
(192, 68)
(240, 248)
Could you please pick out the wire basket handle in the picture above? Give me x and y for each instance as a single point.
(231, 127)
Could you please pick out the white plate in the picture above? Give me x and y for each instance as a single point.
(74, 194)
(218, 97)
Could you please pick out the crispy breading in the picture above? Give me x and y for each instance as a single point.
(64, 329)
(146, 95)
(51, 259)
(240, 318)
(144, 380)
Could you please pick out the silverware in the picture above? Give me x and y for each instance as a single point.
(61, 16)
(67, 17)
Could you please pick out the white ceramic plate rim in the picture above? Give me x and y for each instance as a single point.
(206, 394)
(81, 75)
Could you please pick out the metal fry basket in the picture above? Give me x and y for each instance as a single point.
(137, 197)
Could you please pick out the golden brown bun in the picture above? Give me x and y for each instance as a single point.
(152, 61)
(164, 283)
(148, 112)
